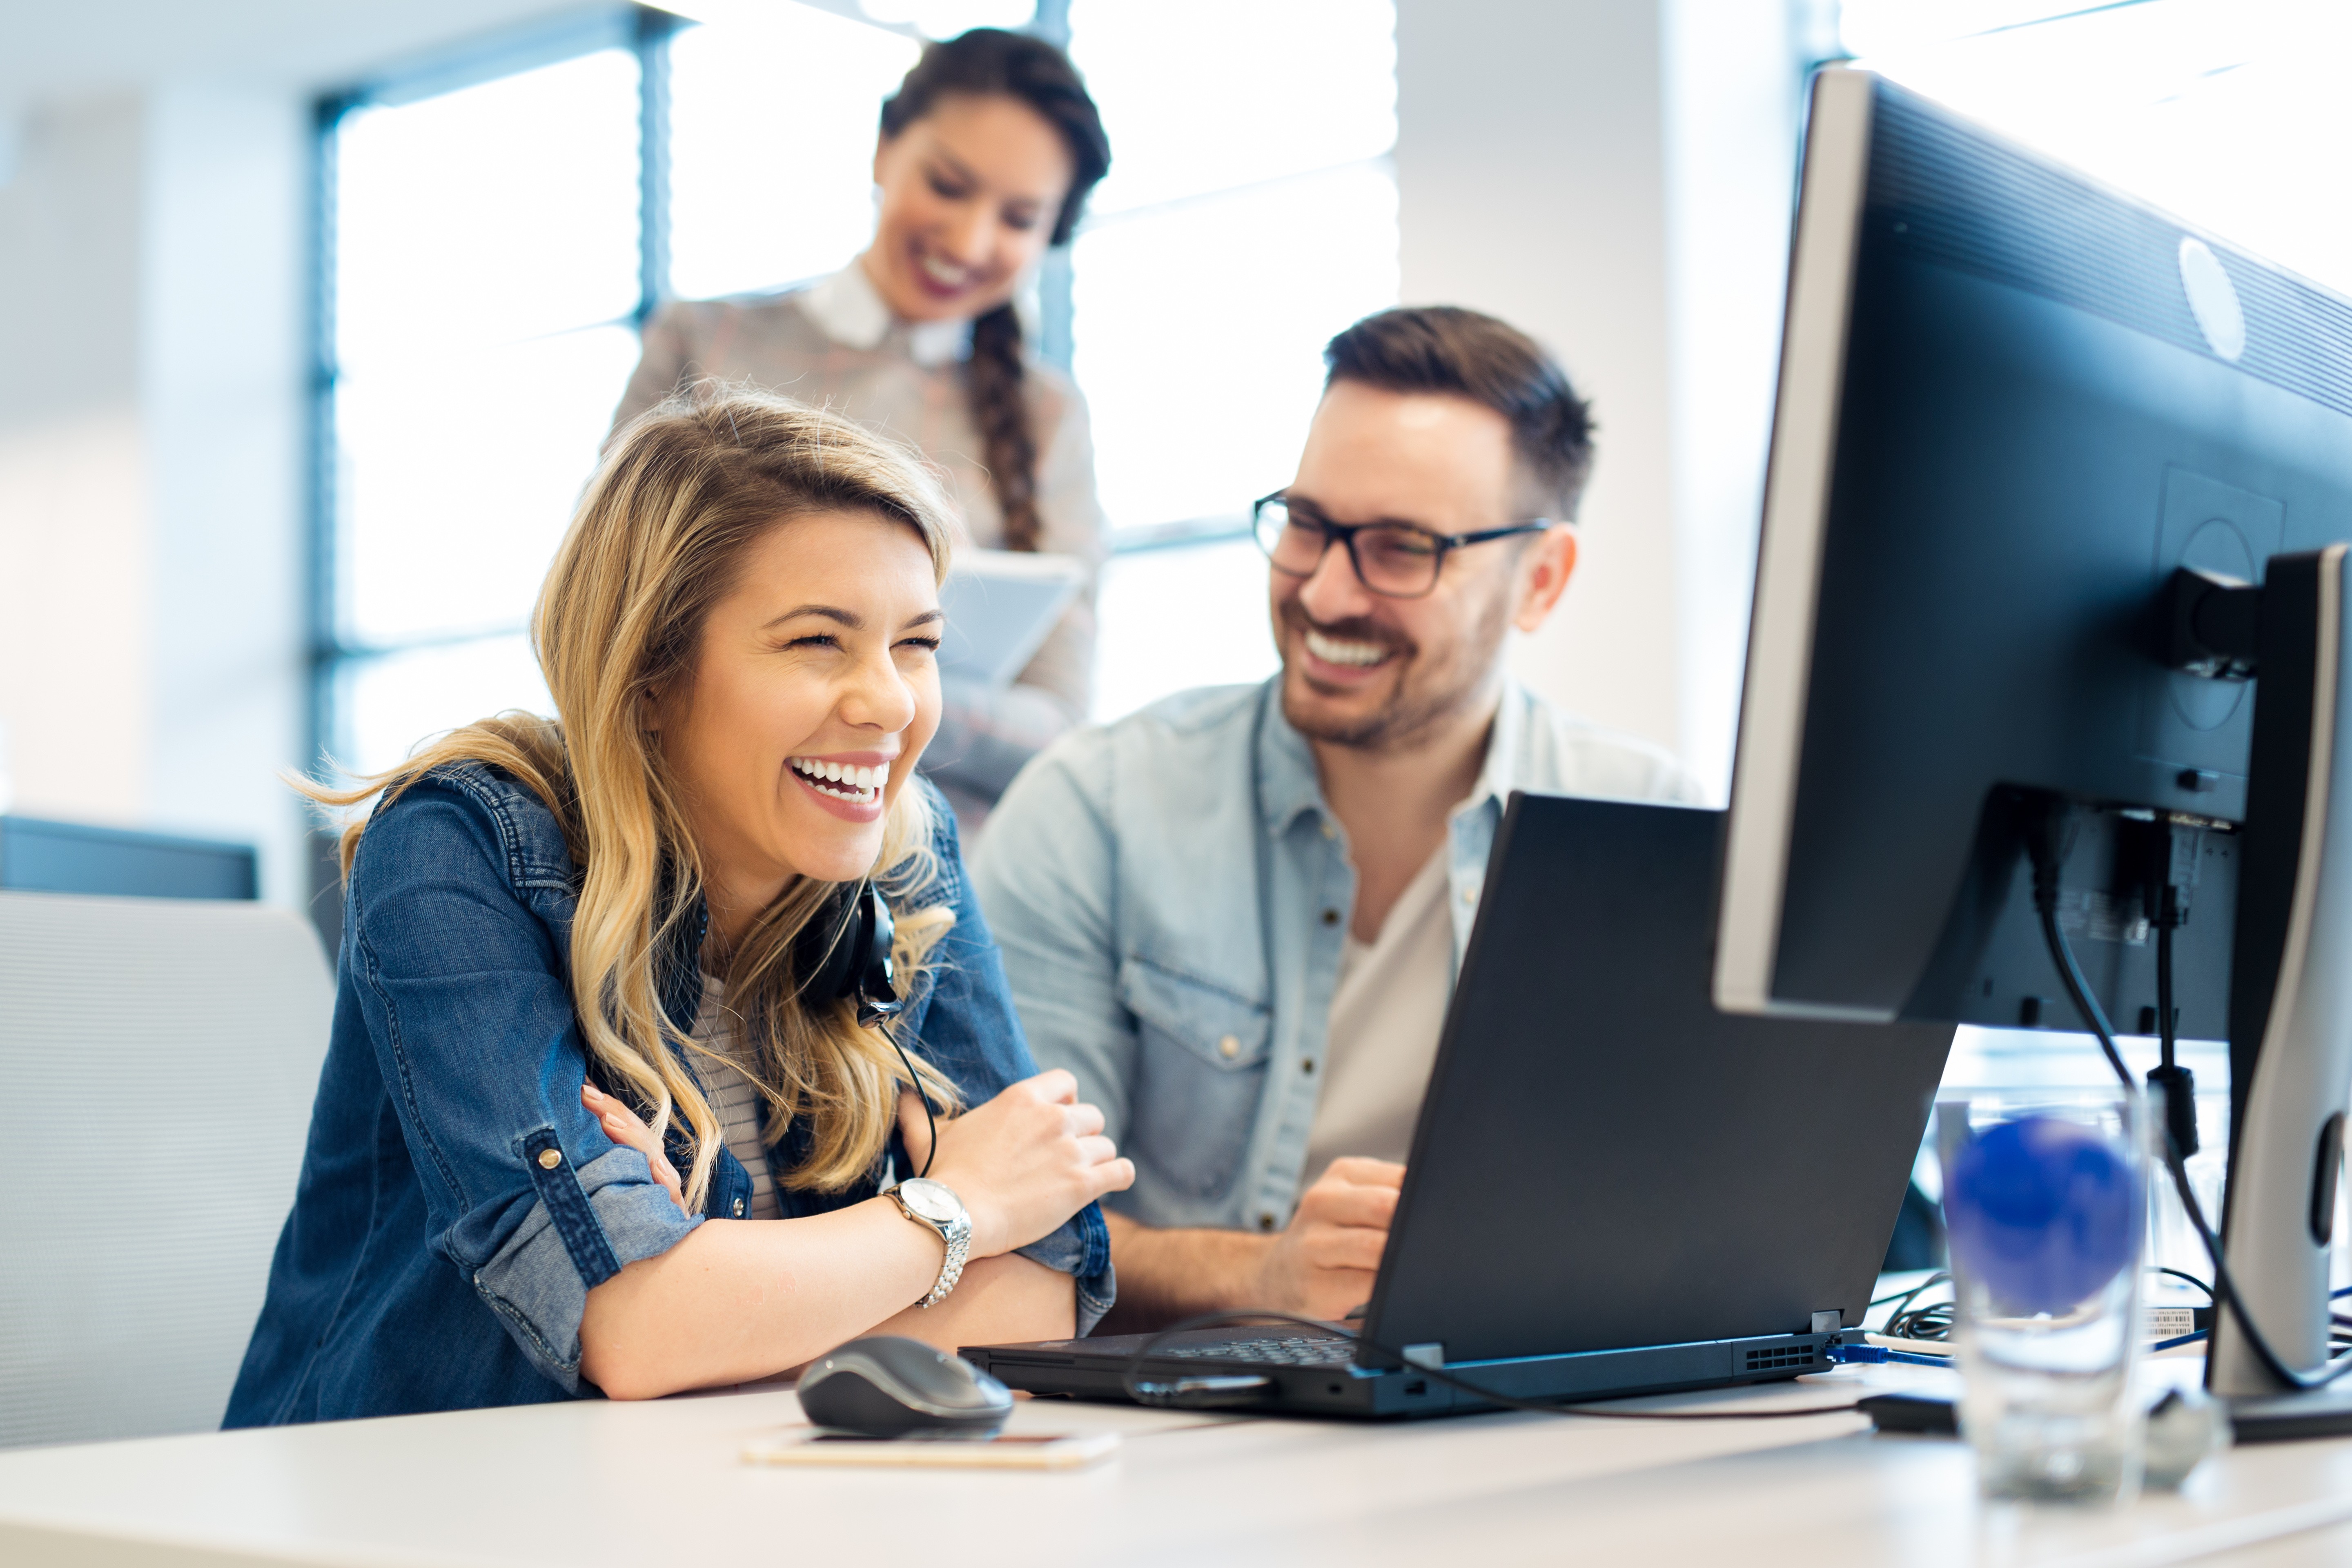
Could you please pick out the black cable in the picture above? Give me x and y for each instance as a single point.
(1935, 1278)
(1166, 1395)
(1941, 1277)
(2167, 1022)
(1932, 1323)
(2225, 1291)
(929, 1121)
(2183, 1273)
(2174, 1083)
(2070, 975)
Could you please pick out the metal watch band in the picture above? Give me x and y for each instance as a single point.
(955, 1233)
(958, 1239)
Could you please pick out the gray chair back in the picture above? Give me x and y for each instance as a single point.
(158, 1058)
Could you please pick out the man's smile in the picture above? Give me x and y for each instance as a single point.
(1337, 651)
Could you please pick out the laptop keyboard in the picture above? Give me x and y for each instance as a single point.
(1318, 1350)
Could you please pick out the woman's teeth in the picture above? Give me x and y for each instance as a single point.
(1331, 650)
(859, 785)
(946, 274)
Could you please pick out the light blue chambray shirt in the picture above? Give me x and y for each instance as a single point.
(1171, 895)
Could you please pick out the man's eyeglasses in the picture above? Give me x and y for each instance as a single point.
(1393, 559)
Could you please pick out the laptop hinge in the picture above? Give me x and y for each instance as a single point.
(1431, 1354)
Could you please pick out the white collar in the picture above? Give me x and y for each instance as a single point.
(851, 312)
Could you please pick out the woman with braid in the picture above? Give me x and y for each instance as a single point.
(987, 152)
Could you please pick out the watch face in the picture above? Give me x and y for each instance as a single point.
(931, 1200)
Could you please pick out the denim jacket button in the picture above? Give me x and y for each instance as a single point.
(738, 1208)
(1330, 917)
(1229, 1048)
(549, 1158)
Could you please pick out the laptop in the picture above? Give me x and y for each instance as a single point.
(1613, 1189)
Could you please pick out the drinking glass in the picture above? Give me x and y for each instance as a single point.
(2045, 1205)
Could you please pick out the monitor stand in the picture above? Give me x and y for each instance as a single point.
(2291, 994)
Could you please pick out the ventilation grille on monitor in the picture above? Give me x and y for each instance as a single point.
(1964, 199)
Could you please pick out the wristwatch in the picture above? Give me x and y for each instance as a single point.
(935, 1204)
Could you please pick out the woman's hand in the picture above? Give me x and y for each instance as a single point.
(623, 1125)
(1024, 1163)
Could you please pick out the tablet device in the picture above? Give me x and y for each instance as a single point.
(1000, 606)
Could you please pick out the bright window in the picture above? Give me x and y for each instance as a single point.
(1251, 213)
(486, 263)
(771, 148)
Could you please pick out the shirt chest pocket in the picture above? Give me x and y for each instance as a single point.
(1200, 1076)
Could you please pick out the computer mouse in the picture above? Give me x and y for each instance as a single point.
(886, 1387)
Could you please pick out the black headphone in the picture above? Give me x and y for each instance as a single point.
(844, 951)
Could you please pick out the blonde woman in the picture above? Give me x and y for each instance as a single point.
(586, 1123)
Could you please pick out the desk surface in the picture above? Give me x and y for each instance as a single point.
(582, 1484)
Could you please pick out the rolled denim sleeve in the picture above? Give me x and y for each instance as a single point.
(970, 1031)
(466, 1001)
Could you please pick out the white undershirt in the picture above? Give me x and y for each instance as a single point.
(1386, 1013)
(734, 1098)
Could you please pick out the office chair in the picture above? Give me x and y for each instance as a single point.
(158, 1058)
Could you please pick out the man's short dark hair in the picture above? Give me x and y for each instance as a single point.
(1444, 348)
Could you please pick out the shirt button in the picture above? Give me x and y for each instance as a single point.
(1229, 1048)
(1330, 917)
(1469, 895)
(738, 1208)
(1307, 1065)
(549, 1158)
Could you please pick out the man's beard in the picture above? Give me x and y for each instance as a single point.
(1425, 696)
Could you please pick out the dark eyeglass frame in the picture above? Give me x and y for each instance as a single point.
(1344, 534)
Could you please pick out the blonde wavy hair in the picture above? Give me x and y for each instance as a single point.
(682, 493)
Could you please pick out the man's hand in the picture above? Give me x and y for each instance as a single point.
(1324, 1261)
(1323, 1265)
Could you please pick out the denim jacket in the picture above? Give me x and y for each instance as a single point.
(457, 1201)
(1173, 895)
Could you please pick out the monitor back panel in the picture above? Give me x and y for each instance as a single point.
(1603, 1159)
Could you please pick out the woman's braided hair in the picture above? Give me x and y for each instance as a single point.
(988, 62)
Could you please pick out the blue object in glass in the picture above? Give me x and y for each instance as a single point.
(2044, 1211)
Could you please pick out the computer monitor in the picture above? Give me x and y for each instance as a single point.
(2012, 405)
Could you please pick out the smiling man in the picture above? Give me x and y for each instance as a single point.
(1236, 916)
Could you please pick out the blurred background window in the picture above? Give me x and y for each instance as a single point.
(494, 239)
(485, 272)
(1251, 213)
(771, 147)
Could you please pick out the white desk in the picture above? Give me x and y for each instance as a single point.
(645, 1485)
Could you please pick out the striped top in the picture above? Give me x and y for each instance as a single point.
(734, 1098)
